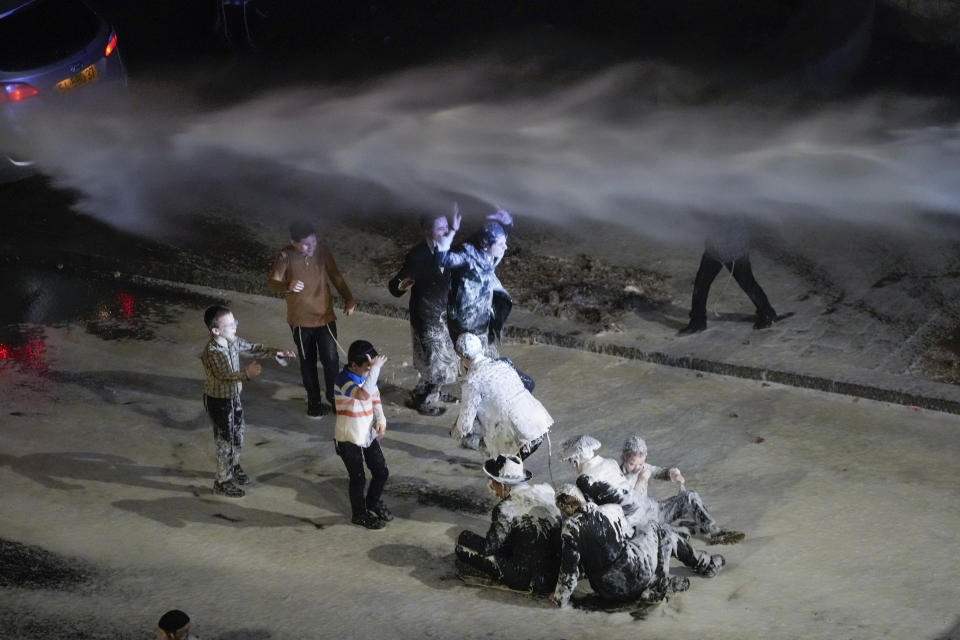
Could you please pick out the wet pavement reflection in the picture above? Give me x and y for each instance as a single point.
(109, 309)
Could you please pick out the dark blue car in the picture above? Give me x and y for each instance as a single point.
(50, 50)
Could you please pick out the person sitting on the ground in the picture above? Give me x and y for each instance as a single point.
(522, 546)
(478, 302)
(174, 625)
(512, 421)
(599, 478)
(433, 355)
(685, 505)
(622, 565)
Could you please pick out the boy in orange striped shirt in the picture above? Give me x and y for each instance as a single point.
(360, 427)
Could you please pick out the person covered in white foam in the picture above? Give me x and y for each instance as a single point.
(512, 421)
(522, 545)
(685, 508)
(600, 479)
(621, 563)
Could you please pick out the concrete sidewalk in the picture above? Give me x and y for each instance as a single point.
(847, 325)
(866, 313)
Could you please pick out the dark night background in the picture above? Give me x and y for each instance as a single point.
(749, 41)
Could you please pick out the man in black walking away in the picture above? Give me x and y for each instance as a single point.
(727, 245)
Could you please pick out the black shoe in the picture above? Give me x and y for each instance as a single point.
(676, 584)
(368, 521)
(380, 510)
(424, 408)
(725, 536)
(695, 326)
(717, 562)
(239, 475)
(765, 319)
(228, 489)
(427, 409)
(316, 411)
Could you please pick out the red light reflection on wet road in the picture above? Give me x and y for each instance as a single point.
(31, 355)
(127, 304)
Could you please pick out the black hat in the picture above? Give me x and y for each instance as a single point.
(173, 620)
(506, 470)
(359, 350)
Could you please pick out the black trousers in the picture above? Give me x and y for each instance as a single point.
(226, 414)
(353, 457)
(539, 573)
(470, 548)
(742, 273)
(313, 344)
(425, 392)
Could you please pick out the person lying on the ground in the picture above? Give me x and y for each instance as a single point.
(622, 565)
(512, 421)
(684, 506)
(522, 546)
(478, 302)
(433, 355)
(599, 478)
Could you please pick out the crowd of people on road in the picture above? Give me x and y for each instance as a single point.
(604, 526)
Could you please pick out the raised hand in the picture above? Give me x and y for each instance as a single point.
(377, 362)
(502, 216)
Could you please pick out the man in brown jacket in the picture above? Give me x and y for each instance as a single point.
(303, 272)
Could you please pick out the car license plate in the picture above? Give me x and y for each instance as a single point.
(86, 76)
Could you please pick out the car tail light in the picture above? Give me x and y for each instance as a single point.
(111, 45)
(16, 91)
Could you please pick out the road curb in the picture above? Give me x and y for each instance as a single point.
(532, 335)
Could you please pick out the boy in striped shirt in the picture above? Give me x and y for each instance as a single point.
(360, 426)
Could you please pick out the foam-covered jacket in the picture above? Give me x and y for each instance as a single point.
(618, 561)
(649, 507)
(492, 393)
(524, 537)
(473, 283)
(602, 482)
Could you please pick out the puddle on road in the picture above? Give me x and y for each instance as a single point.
(109, 309)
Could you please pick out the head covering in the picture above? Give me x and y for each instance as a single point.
(634, 446)
(300, 230)
(173, 621)
(506, 470)
(469, 345)
(569, 492)
(359, 350)
(579, 448)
